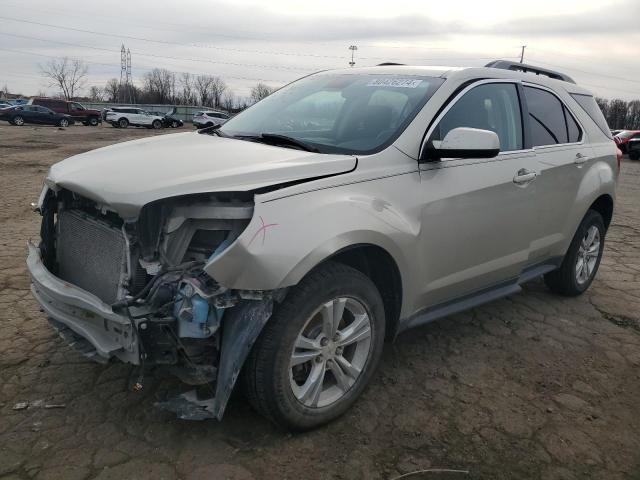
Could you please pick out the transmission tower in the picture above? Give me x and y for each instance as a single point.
(129, 79)
(123, 75)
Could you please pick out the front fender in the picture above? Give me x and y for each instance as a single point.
(287, 237)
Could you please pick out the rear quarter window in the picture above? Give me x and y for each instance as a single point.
(589, 105)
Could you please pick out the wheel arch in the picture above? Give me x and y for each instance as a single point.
(381, 268)
(604, 206)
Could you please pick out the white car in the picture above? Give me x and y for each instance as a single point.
(207, 118)
(122, 117)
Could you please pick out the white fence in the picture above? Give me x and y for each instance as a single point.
(183, 112)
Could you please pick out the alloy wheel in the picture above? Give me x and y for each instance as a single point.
(330, 352)
(18, 121)
(588, 253)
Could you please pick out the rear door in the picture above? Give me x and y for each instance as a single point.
(561, 155)
(476, 218)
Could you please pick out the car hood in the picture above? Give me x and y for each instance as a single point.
(128, 175)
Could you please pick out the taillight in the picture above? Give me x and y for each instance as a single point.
(618, 157)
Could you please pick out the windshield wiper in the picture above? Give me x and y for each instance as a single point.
(279, 140)
(212, 129)
(290, 141)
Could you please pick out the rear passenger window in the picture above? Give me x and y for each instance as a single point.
(550, 121)
(546, 117)
(492, 106)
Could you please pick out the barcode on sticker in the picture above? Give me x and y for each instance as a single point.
(395, 82)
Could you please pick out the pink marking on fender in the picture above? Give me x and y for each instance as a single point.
(262, 229)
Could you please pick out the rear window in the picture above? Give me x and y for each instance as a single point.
(589, 105)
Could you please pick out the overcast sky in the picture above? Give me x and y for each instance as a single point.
(244, 41)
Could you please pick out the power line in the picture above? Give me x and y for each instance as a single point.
(153, 55)
(235, 77)
(164, 42)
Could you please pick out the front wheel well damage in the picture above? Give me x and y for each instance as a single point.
(377, 264)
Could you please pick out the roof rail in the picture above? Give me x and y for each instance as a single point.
(523, 67)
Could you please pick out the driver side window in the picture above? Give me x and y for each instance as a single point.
(492, 106)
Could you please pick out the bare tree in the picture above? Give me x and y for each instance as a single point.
(111, 90)
(228, 101)
(96, 94)
(188, 91)
(218, 87)
(617, 117)
(69, 75)
(260, 91)
(159, 86)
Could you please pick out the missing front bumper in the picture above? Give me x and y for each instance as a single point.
(109, 333)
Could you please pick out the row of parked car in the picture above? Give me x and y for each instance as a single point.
(50, 111)
(628, 141)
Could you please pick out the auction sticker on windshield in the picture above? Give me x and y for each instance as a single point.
(395, 82)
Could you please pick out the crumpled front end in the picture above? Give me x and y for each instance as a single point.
(136, 290)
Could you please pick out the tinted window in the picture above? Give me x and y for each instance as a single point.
(589, 105)
(573, 130)
(494, 107)
(546, 117)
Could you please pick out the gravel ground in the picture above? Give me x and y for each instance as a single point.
(532, 386)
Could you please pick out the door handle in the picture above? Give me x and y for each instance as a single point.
(524, 176)
(580, 159)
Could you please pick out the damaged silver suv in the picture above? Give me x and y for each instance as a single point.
(285, 246)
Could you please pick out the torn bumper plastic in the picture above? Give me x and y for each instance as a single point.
(241, 327)
(83, 313)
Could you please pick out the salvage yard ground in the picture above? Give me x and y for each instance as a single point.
(532, 386)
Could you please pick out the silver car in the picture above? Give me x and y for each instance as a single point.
(287, 245)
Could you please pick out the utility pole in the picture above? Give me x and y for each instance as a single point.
(522, 53)
(353, 49)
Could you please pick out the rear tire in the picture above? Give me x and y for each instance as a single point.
(157, 124)
(581, 262)
(282, 390)
(63, 123)
(123, 123)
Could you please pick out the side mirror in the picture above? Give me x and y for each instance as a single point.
(464, 142)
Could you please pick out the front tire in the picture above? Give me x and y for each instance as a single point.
(93, 121)
(581, 262)
(157, 124)
(18, 121)
(64, 123)
(319, 350)
(174, 124)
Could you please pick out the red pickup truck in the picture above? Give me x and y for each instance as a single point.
(76, 110)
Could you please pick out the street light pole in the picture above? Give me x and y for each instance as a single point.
(353, 48)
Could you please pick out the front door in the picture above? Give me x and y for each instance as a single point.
(476, 219)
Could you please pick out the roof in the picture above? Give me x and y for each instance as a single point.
(464, 74)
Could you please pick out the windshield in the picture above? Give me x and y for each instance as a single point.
(338, 113)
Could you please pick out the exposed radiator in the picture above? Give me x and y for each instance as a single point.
(91, 254)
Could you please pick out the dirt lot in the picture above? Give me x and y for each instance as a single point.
(532, 386)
